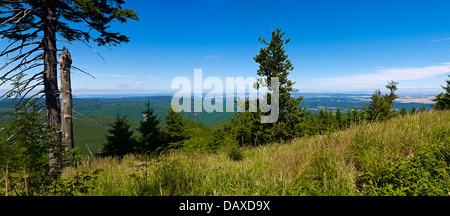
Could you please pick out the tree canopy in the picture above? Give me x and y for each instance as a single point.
(443, 99)
(381, 105)
(120, 140)
(273, 62)
(150, 132)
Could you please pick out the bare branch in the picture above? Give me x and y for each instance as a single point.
(66, 41)
(25, 13)
(13, 17)
(94, 51)
(83, 71)
(18, 57)
(15, 10)
(18, 47)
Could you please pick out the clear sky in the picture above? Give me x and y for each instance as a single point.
(336, 46)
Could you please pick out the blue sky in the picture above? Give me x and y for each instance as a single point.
(336, 46)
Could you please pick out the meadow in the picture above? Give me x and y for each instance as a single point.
(402, 156)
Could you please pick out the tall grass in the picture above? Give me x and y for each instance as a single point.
(330, 164)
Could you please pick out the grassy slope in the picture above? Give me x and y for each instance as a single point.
(321, 165)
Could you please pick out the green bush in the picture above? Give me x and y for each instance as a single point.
(80, 184)
(235, 153)
(426, 174)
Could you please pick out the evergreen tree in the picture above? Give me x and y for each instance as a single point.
(310, 124)
(413, 110)
(381, 106)
(378, 108)
(403, 111)
(391, 97)
(443, 99)
(339, 121)
(323, 121)
(357, 116)
(149, 130)
(273, 62)
(349, 117)
(423, 109)
(175, 132)
(119, 142)
(332, 123)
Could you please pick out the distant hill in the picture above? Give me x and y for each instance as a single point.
(92, 116)
(133, 106)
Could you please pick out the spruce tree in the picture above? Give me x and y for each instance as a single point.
(323, 121)
(443, 99)
(403, 111)
(339, 120)
(413, 110)
(348, 117)
(381, 105)
(378, 108)
(273, 62)
(175, 132)
(119, 142)
(423, 109)
(149, 130)
(357, 116)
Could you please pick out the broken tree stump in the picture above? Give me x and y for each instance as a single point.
(65, 61)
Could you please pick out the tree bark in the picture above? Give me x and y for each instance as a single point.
(51, 82)
(65, 62)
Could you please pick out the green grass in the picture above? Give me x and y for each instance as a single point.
(366, 159)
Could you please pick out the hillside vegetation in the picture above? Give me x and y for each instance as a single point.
(90, 131)
(402, 156)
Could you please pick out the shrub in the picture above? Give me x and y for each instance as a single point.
(426, 174)
(24, 158)
(235, 153)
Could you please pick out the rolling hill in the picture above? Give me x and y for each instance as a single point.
(93, 116)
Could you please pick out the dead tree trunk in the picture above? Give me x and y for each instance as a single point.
(65, 61)
(50, 79)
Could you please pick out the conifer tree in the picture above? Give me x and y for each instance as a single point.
(339, 121)
(348, 117)
(378, 108)
(413, 110)
(175, 132)
(119, 142)
(273, 62)
(443, 99)
(323, 121)
(150, 132)
(381, 105)
(357, 116)
(423, 109)
(403, 111)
